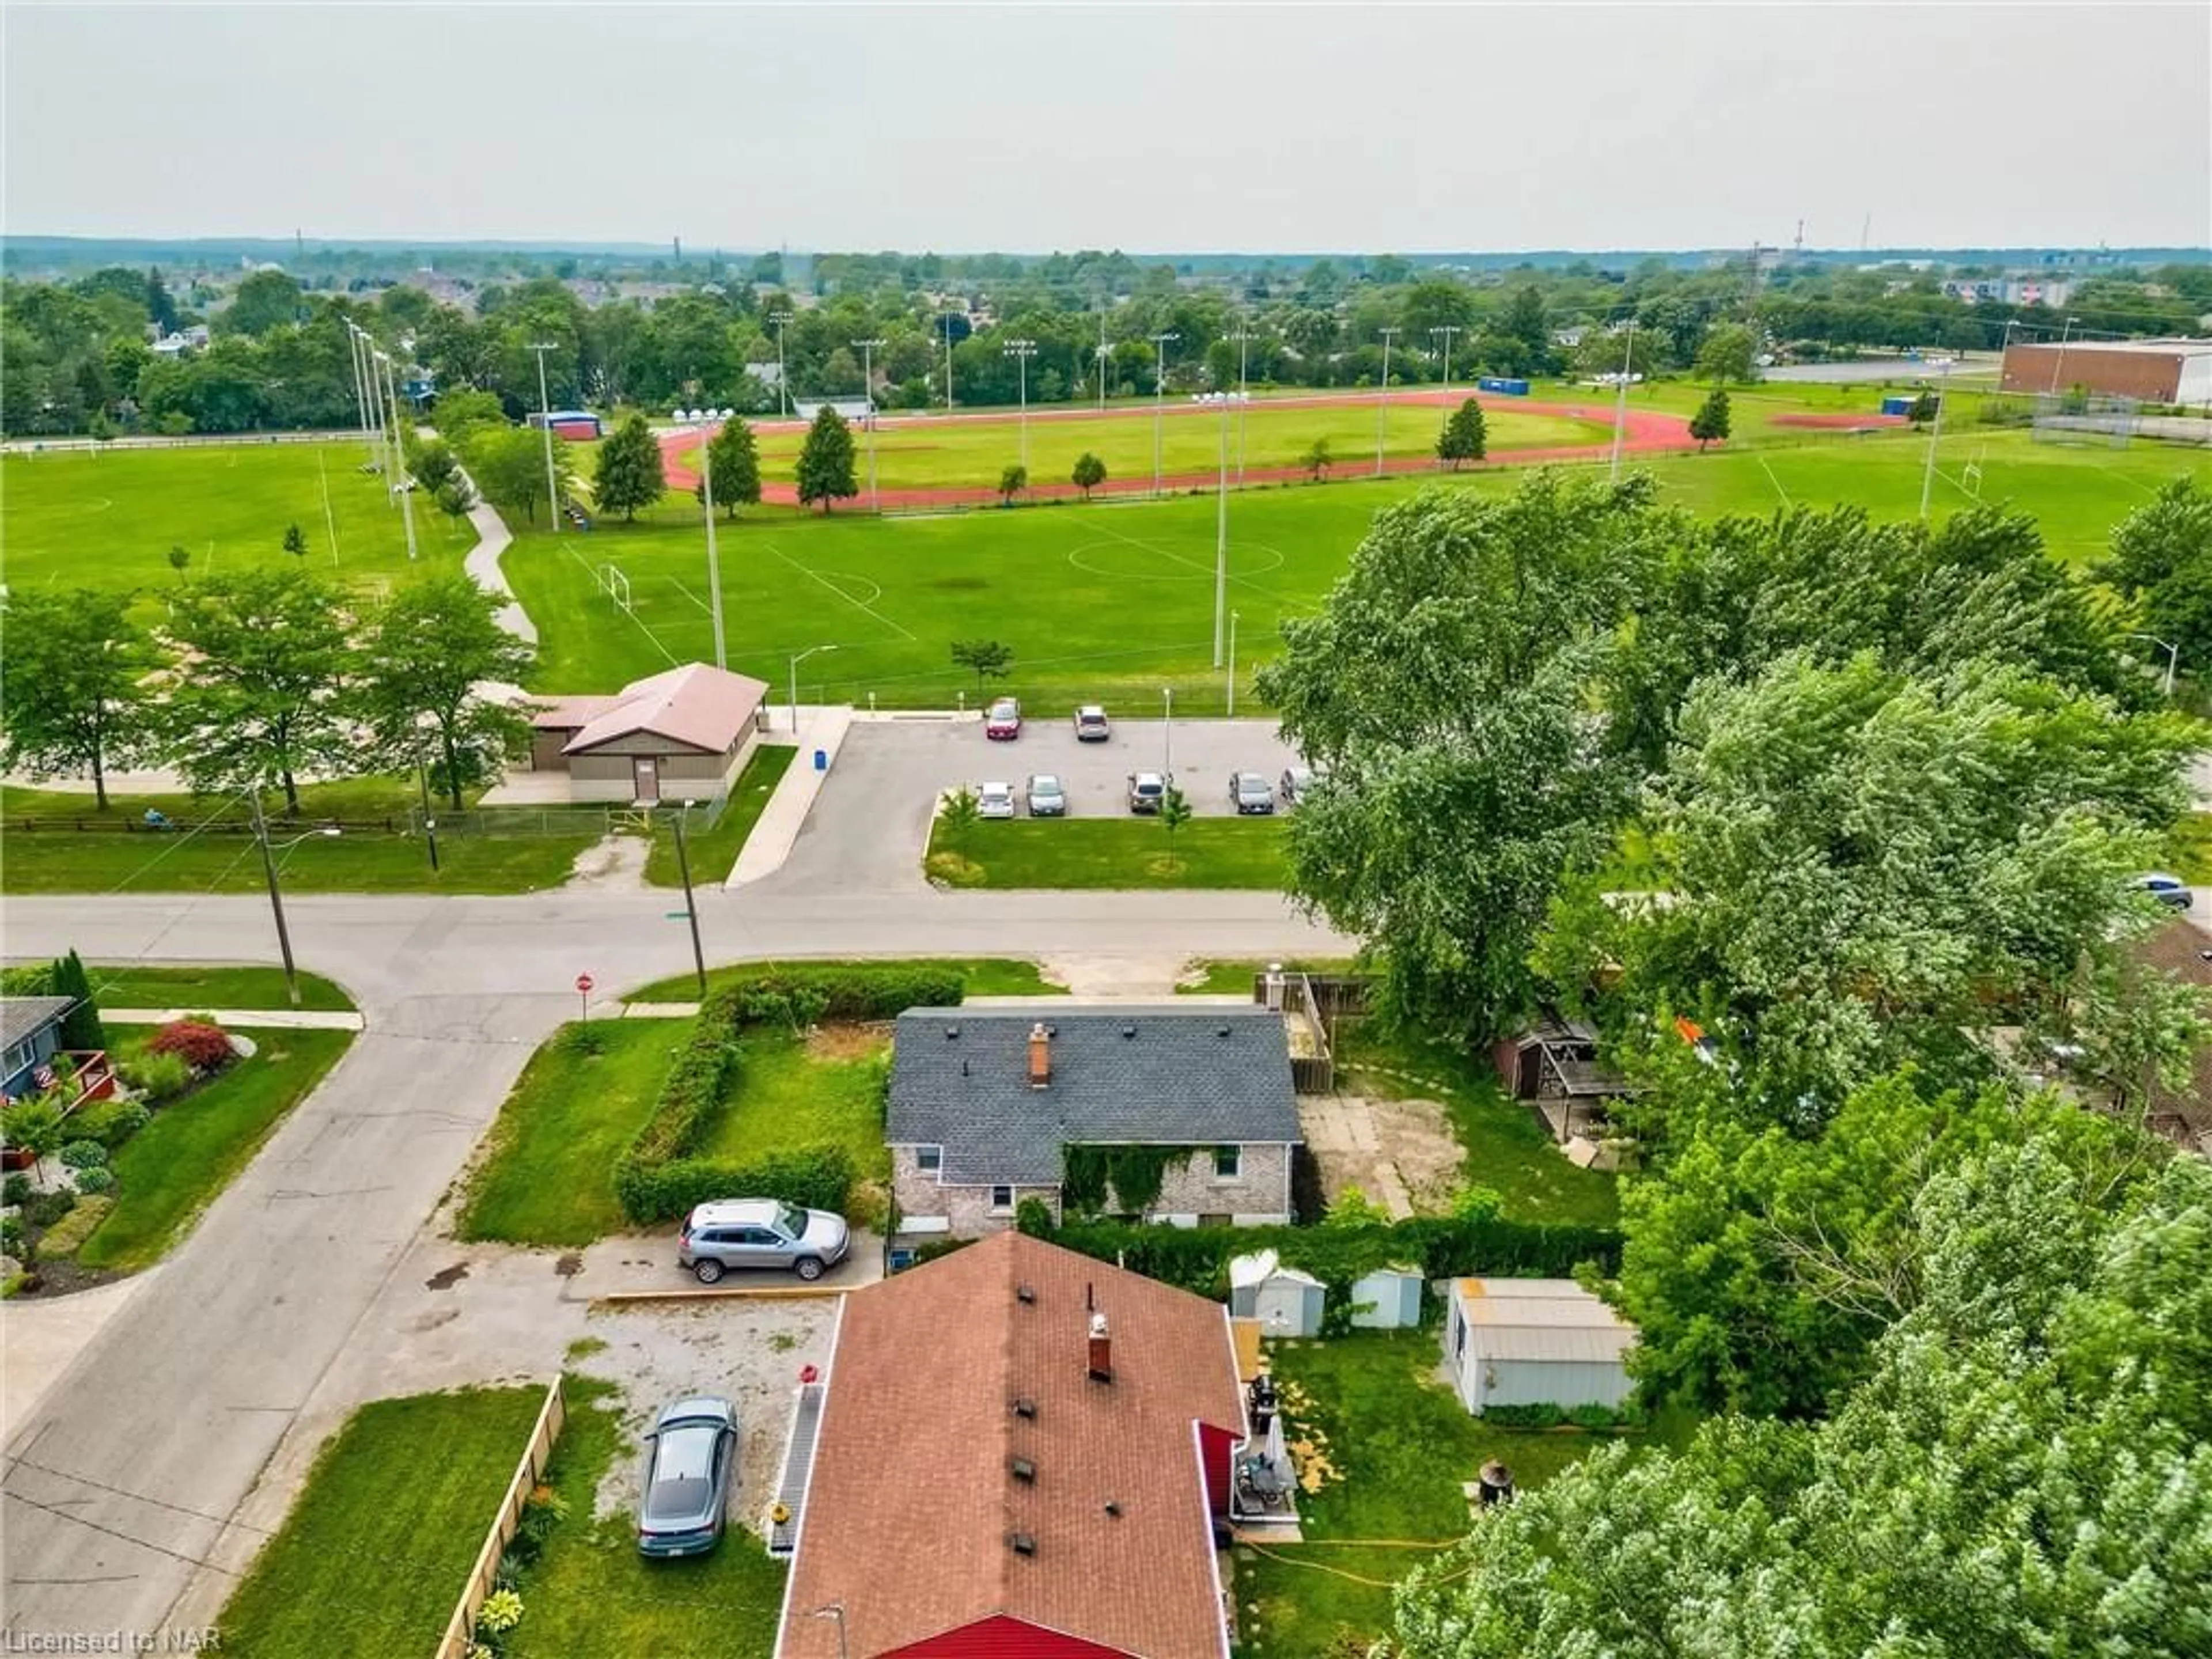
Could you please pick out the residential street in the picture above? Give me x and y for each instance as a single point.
(133, 1463)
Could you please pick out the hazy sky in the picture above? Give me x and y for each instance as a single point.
(1361, 127)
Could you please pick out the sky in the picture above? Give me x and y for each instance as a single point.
(1363, 127)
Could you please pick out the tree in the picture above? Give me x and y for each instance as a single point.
(508, 465)
(462, 412)
(733, 458)
(267, 696)
(1728, 355)
(81, 1030)
(1012, 480)
(180, 560)
(266, 300)
(825, 461)
(1316, 459)
(428, 649)
(1090, 472)
(630, 474)
(1174, 813)
(1711, 419)
(988, 658)
(2168, 535)
(433, 466)
(455, 499)
(33, 1126)
(1924, 408)
(1463, 438)
(296, 541)
(72, 691)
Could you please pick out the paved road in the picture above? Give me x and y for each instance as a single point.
(119, 1485)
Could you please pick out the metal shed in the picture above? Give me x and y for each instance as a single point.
(1387, 1299)
(1534, 1342)
(1285, 1302)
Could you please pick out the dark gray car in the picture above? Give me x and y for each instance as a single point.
(760, 1232)
(689, 1457)
(1251, 793)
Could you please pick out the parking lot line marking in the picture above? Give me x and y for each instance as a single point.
(865, 610)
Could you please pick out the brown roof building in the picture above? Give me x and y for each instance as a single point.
(681, 732)
(1021, 1452)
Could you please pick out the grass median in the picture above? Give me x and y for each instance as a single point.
(713, 853)
(198, 989)
(1111, 853)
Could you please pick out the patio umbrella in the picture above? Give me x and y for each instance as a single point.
(1278, 1457)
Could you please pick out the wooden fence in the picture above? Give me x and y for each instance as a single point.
(460, 1630)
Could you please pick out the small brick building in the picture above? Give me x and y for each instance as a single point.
(2152, 371)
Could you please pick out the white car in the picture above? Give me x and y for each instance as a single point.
(994, 800)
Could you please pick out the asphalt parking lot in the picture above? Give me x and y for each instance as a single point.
(870, 822)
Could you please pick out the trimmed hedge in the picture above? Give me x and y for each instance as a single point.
(841, 991)
(812, 1177)
(72, 1230)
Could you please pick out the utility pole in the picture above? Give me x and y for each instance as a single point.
(713, 558)
(545, 424)
(1445, 332)
(868, 389)
(1021, 351)
(406, 485)
(691, 902)
(1620, 402)
(782, 369)
(275, 892)
(1382, 409)
(1160, 344)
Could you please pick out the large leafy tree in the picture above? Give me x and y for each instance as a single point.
(264, 694)
(1728, 355)
(1445, 687)
(73, 694)
(825, 461)
(630, 474)
(508, 465)
(2162, 560)
(428, 650)
(733, 458)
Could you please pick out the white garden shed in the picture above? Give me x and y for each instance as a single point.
(1284, 1302)
(1534, 1342)
(1387, 1299)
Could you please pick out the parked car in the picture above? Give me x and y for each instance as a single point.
(994, 800)
(1146, 791)
(1297, 783)
(1090, 724)
(1249, 793)
(1047, 798)
(2170, 890)
(760, 1232)
(1004, 723)
(689, 1460)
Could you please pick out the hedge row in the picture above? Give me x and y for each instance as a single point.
(842, 991)
(812, 1177)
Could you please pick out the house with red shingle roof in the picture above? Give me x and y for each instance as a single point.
(1022, 1451)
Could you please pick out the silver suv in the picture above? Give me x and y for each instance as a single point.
(760, 1232)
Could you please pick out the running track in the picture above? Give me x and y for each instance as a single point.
(1649, 433)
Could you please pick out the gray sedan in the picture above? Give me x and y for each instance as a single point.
(689, 1457)
(1047, 798)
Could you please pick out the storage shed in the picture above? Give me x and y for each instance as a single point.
(1285, 1302)
(1387, 1299)
(1534, 1342)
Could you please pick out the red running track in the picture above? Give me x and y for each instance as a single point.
(1649, 433)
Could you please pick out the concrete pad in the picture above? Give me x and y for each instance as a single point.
(286, 1019)
(657, 1010)
(532, 789)
(779, 823)
(41, 1337)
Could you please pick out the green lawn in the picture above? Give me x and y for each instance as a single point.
(371, 1558)
(985, 977)
(56, 856)
(788, 1098)
(1235, 978)
(172, 1170)
(547, 1174)
(2193, 847)
(134, 985)
(1507, 1149)
(592, 1596)
(1117, 853)
(715, 852)
(108, 519)
(1112, 601)
(1401, 1445)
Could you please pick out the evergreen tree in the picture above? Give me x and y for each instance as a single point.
(630, 474)
(1464, 437)
(81, 1026)
(825, 464)
(296, 541)
(1711, 419)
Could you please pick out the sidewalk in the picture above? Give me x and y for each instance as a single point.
(482, 566)
(291, 1019)
(771, 841)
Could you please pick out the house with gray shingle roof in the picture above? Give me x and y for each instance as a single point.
(985, 1104)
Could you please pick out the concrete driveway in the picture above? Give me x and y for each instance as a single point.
(870, 822)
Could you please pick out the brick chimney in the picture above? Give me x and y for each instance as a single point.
(1102, 1350)
(1040, 1055)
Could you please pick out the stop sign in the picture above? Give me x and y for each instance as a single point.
(583, 982)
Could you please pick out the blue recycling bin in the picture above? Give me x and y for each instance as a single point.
(822, 760)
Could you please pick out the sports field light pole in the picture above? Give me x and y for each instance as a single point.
(275, 892)
(545, 424)
(2172, 656)
(1382, 409)
(379, 455)
(406, 488)
(1160, 344)
(2058, 369)
(1105, 352)
(360, 386)
(868, 390)
(1244, 339)
(1445, 331)
(713, 556)
(1232, 663)
(795, 661)
(1021, 351)
(1620, 402)
(1935, 431)
(1221, 531)
(783, 369)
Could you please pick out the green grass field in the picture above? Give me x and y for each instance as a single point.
(109, 518)
(1111, 853)
(715, 852)
(133, 986)
(172, 1170)
(372, 1557)
(1111, 601)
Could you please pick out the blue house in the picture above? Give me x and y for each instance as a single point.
(30, 1036)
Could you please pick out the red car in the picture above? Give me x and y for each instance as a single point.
(1003, 722)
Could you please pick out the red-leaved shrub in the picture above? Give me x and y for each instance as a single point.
(201, 1046)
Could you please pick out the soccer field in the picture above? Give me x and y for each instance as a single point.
(1113, 601)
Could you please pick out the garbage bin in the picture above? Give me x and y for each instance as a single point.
(822, 760)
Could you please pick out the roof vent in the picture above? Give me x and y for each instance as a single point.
(950, 1033)
(1129, 1031)
(1224, 1031)
(1021, 1543)
(1023, 1469)
(1025, 1408)
(1114, 1507)
(1025, 1293)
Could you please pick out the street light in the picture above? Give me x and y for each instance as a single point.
(545, 420)
(1021, 351)
(782, 370)
(2172, 656)
(1382, 409)
(276, 893)
(1160, 344)
(867, 348)
(1935, 431)
(1620, 400)
(1446, 330)
(795, 661)
(406, 485)
(690, 903)
(1167, 734)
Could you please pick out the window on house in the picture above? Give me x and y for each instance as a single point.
(1228, 1163)
(1002, 1198)
(929, 1159)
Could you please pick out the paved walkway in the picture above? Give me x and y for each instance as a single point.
(482, 566)
(821, 730)
(289, 1020)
